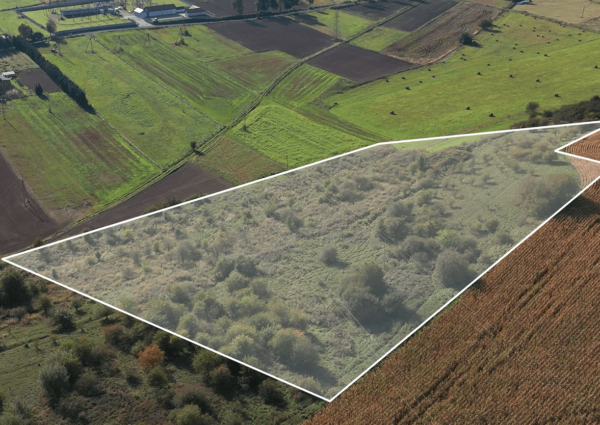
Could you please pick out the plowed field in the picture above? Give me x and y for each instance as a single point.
(438, 38)
(588, 147)
(519, 347)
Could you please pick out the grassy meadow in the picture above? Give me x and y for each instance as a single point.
(324, 21)
(437, 106)
(378, 38)
(42, 16)
(68, 156)
(157, 122)
(268, 274)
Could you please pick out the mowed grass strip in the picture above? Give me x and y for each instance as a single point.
(10, 4)
(153, 119)
(10, 21)
(437, 106)
(236, 163)
(69, 156)
(324, 21)
(290, 138)
(216, 88)
(378, 38)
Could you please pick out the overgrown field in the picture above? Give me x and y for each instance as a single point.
(523, 336)
(570, 11)
(312, 276)
(378, 38)
(156, 121)
(65, 359)
(437, 105)
(70, 158)
(218, 89)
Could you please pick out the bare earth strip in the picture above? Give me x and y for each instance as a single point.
(440, 37)
(420, 15)
(22, 219)
(187, 181)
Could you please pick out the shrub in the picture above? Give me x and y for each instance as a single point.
(304, 353)
(63, 319)
(45, 303)
(236, 281)
(192, 415)
(13, 289)
(73, 366)
(282, 344)
(503, 238)
(207, 307)
(492, 225)
(293, 223)
(157, 377)
(260, 288)
(397, 229)
(269, 391)
(221, 379)
(198, 396)
(103, 311)
(150, 357)
(486, 24)
(246, 266)
(76, 303)
(2, 400)
(54, 379)
(189, 325)
(451, 269)
(363, 304)
(371, 276)
(87, 384)
(329, 256)
(165, 313)
(465, 39)
(114, 334)
(224, 268)
(205, 361)
(298, 320)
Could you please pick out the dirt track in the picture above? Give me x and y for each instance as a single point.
(189, 180)
(19, 225)
(358, 64)
(275, 34)
(420, 15)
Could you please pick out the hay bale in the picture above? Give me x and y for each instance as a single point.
(537, 81)
(392, 113)
(479, 73)
(556, 95)
(404, 78)
(407, 88)
(468, 108)
(491, 115)
(510, 76)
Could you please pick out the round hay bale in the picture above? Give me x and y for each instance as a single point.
(537, 81)
(510, 76)
(404, 78)
(478, 73)
(392, 113)
(491, 115)
(468, 108)
(595, 66)
(556, 95)
(546, 54)
(514, 48)
(433, 76)
(428, 69)
(420, 81)
(407, 88)
(497, 41)
(488, 64)
(522, 51)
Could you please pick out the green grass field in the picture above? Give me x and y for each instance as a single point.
(378, 38)
(10, 21)
(324, 21)
(438, 105)
(148, 115)
(10, 4)
(42, 16)
(69, 156)
(217, 89)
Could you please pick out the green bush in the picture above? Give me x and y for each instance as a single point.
(236, 281)
(246, 266)
(14, 291)
(452, 269)
(87, 385)
(164, 313)
(157, 377)
(269, 391)
(205, 361)
(260, 288)
(221, 379)
(192, 415)
(189, 325)
(73, 366)
(370, 276)
(63, 319)
(207, 307)
(282, 344)
(54, 379)
(329, 256)
(224, 268)
(304, 353)
(196, 395)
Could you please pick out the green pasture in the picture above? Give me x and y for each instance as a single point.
(378, 38)
(10, 4)
(437, 106)
(42, 16)
(324, 21)
(10, 21)
(68, 155)
(153, 119)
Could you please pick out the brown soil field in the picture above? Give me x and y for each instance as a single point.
(519, 347)
(32, 77)
(20, 222)
(420, 15)
(188, 181)
(440, 37)
(275, 34)
(588, 147)
(223, 7)
(377, 10)
(358, 64)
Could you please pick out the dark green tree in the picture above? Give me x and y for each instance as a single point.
(238, 6)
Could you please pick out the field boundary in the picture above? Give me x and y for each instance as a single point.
(413, 332)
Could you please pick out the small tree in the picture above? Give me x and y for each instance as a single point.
(486, 24)
(532, 109)
(37, 36)
(51, 26)
(39, 91)
(151, 357)
(238, 6)
(63, 319)
(465, 39)
(76, 303)
(45, 303)
(329, 256)
(193, 146)
(54, 379)
(25, 31)
(103, 311)
(157, 377)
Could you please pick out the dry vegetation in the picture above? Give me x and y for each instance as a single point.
(314, 275)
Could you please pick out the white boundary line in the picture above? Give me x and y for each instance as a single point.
(426, 321)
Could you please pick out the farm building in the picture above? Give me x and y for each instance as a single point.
(160, 10)
(81, 11)
(195, 11)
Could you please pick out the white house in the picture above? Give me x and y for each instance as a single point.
(195, 11)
